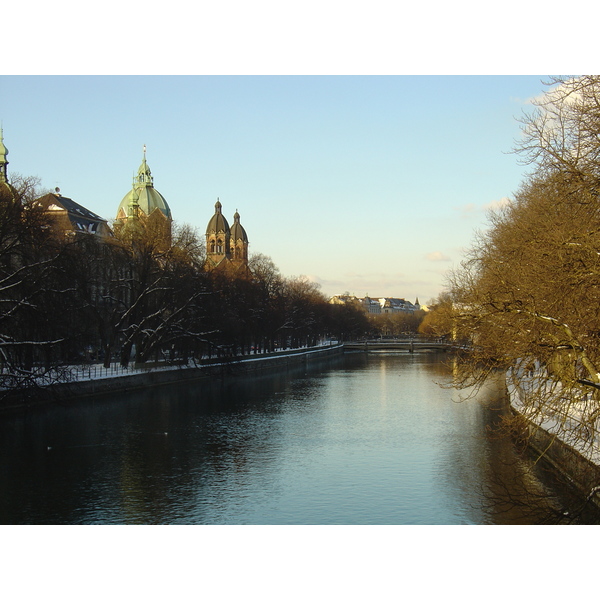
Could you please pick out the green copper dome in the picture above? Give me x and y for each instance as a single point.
(148, 198)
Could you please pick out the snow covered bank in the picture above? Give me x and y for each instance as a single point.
(558, 430)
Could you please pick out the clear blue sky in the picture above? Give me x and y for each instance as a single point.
(365, 184)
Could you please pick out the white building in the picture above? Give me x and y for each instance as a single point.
(377, 306)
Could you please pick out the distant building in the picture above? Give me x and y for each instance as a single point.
(396, 305)
(376, 306)
(371, 305)
(344, 299)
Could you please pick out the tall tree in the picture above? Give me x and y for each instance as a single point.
(154, 292)
(528, 293)
(33, 287)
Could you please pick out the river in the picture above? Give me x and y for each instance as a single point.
(360, 439)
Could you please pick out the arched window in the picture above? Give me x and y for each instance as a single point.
(212, 245)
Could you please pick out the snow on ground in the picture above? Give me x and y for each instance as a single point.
(96, 371)
(564, 419)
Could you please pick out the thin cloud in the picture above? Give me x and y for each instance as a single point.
(523, 101)
(470, 210)
(496, 205)
(467, 209)
(437, 256)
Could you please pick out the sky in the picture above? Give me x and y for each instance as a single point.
(364, 184)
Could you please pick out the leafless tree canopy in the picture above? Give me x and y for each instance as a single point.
(527, 295)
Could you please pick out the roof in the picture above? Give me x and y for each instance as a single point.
(237, 231)
(81, 218)
(218, 223)
(397, 304)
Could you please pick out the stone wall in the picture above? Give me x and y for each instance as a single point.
(216, 368)
(581, 472)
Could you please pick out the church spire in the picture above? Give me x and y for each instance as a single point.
(144, 176)
(3, 161)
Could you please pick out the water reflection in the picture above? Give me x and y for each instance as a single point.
(364, 439)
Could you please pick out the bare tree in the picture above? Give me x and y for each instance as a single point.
(33, 288)
(155, 290)
(561, 133)
(528, 297)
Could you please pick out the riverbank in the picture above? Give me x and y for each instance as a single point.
(556, 437)
(85, 381)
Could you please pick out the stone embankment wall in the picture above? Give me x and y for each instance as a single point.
(583, 474)
(216, 368)
(581, 468)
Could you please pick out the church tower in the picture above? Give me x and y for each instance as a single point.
(218, 237)
(238, 240)
(145, 205)
(3, 162)
(226, 248)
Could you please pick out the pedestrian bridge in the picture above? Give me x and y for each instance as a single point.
(398, 345)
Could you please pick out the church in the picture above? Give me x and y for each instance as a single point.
(226, 247)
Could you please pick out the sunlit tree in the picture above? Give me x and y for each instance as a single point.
(527, 294)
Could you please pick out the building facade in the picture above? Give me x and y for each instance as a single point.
(376, 306)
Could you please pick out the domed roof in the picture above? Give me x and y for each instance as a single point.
(217, 222)
(237, 231)
(149, 199)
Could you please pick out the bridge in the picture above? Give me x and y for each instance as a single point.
(410, 345)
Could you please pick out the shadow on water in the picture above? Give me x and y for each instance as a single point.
(515, 486)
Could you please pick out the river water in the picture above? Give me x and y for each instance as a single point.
(360, 439)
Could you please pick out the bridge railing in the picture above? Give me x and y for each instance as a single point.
(401, 340)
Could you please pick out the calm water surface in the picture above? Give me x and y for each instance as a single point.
(361, 440)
